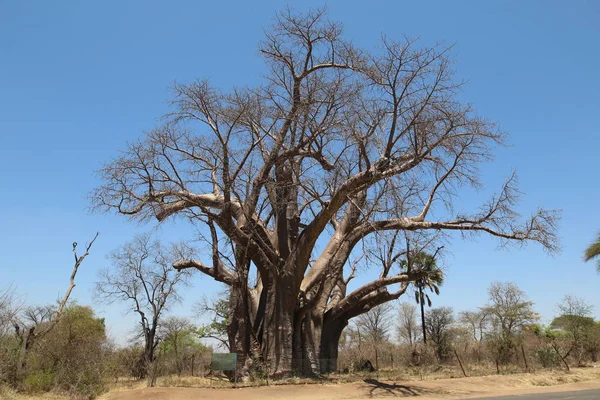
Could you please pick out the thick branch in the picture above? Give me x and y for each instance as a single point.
(221, 274)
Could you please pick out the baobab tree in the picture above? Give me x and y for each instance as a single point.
(336, 147)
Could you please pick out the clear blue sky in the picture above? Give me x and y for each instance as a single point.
(79, 79)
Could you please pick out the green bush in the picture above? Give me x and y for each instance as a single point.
(39, 381)
(547, 357)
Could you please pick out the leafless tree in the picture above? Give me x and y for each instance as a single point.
(9, 309)
(476, 322)
(338, 146)
(39, 321)
(439, 323)
(142, 276)
(375, 324)
(408, 326)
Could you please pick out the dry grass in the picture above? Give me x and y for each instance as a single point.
(7, 393)
(510, 377)
(434, 379)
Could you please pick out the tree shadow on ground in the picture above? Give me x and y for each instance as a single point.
(393, 389)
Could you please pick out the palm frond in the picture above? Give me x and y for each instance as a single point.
(593, 250)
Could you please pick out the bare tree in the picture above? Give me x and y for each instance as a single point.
(476, 322)
(142, 276)
(439, 326)
(39, 321)
(337, 146)
(9, 309)
(408, 326)
(375, 324)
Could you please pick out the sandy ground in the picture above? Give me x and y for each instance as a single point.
(372, 388)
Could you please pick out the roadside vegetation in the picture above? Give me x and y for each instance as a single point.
(76, 359)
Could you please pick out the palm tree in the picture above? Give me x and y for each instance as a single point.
(432, 279)
(593, 251)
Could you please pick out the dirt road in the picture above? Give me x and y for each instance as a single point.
(369, 388)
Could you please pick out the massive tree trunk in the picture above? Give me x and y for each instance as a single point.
(329, 346)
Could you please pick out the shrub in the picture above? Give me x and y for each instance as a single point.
(547, 357)
(39, 381)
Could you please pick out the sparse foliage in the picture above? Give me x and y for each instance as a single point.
(220, 313)
(509, 313)
(439, 327)
(142, 276)
(576, 321)
(408, 326)
(375, 324)
(180, 343)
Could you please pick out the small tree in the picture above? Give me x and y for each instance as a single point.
(476, 323)
(439, 325)
(408, 326)
(38, 322)
(142, 276)
(179, 342)
(375, 324)
(71, 356)
(592, 342)
(219, 311)
(433, 278)
(8, 313)
(509, 312)
(576, 322)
